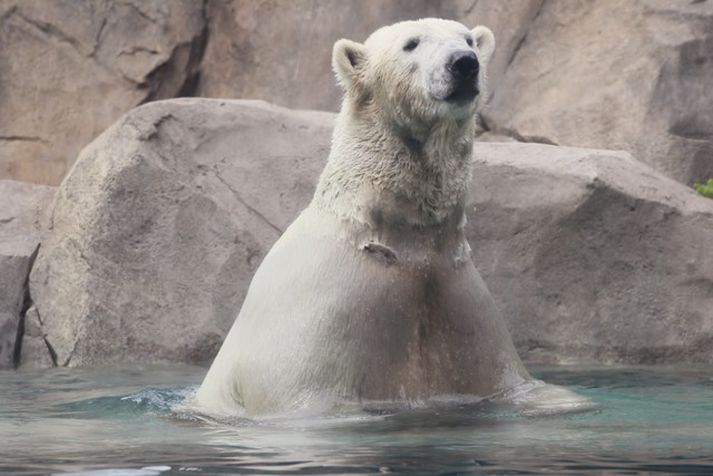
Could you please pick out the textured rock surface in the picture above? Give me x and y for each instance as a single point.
(21, 205)
(36, 352)
(592, 255)
(281, 51)
(157, 230)
(615, 75)
(13, 277)
(69, 69)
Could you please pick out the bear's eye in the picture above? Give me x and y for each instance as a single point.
(411, 44)
(469, 41)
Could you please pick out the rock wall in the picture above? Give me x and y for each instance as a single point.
(154, 236)
(608, 74)
(605, 74)
(69, 69)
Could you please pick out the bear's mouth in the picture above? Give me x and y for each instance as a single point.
(463, 93)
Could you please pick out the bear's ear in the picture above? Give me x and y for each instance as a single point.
(484, 41)
(348, 58)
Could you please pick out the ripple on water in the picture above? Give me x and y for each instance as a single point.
(150, 401)
(121, 421)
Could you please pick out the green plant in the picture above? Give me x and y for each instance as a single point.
(705, 189)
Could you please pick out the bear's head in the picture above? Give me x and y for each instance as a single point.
(415, 73)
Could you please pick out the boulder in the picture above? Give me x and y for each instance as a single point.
(617, 75)
(22, 206)
(158, 228)
(593, 256)
(69, 69)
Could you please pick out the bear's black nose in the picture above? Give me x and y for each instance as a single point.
(464, 65)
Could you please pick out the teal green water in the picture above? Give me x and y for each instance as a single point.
(119, 421)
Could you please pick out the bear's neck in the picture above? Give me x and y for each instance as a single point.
(381, 176)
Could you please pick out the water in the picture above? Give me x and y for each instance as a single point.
(120, 421)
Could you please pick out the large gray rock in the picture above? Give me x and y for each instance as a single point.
(592, 255)
(158, 228)
(617, 75)
(21, 207)
(69, 69)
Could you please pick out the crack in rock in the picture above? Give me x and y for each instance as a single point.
(522, 40)
(246, 204)
(26, 305)
(139, 12)
(138, 49)
(100, 36)
(19, 138)
(53, 31)
(158, 80)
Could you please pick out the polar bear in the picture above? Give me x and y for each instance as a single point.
(370, 297)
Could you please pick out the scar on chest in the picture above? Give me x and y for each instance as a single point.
(380, 252)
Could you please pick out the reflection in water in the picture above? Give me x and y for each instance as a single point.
(120, 421)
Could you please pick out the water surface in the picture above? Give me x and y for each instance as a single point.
(120, 421)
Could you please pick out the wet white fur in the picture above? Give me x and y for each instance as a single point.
(371, 295)
(390, 94)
